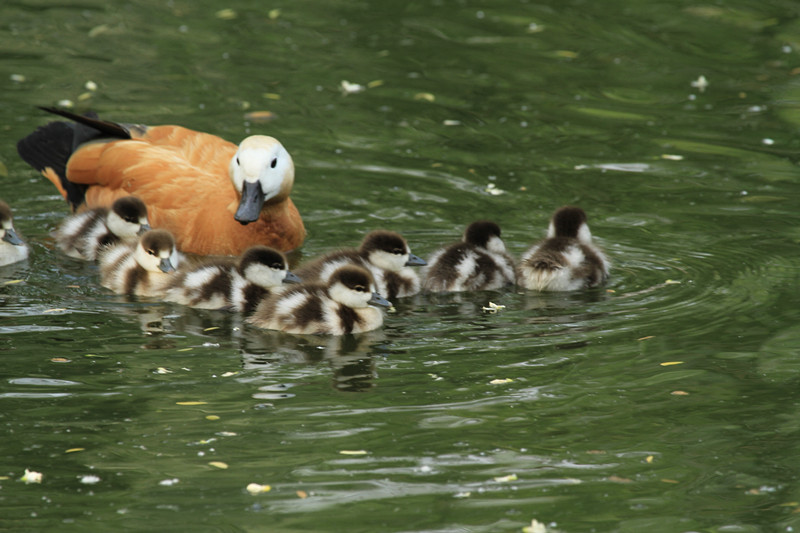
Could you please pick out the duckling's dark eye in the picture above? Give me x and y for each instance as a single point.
(132, 220)
(274, 163)
(398, 251)
(276, 266)
(237, 160)
(360, 288)
(151, 251)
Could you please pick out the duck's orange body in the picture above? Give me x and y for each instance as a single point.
(184, 179)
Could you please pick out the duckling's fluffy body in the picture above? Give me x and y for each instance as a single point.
(567, 259)
(339, 307)
(85, 234)
(12, 248)
(478, 262)
(384, 253)
(226, 283)
(143, 269)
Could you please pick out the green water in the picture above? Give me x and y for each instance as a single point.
(692, 193)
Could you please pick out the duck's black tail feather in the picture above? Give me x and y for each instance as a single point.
(51, 146)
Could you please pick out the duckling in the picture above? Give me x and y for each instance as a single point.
(12, 248)
(339, 307)
(214, 197)
(384, 253)
(479, 262)
(83, 235)
(143, 269)
(240, 285)
(567, 259)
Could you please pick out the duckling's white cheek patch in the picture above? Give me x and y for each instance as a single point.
(496, 245)
(584, 235)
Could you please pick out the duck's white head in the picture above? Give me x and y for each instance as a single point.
(128, 218)
(7, 233)
(353, 286)
(570, 221)
(265, 267)
(485, 234)
(156, 251)
(388, 250)
(262, 172)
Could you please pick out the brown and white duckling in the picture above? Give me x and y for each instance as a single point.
(85, 234)
(342, 305)
(479, 262)
(12, 248)
(567, 259)
(384, 253)
(240, 285)
(143, 269)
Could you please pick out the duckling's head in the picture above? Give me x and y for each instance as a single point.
(7, 233)
(569, 221)
(262, 172)
(156, 251)
(353, 286)
(128, 218)
(265, 267)
(388, 250)
(485, 234)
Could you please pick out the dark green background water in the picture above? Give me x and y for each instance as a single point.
(556, 102)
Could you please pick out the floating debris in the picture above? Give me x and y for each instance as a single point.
(353, 452)
(17, 78)
(169, 482)
(219, 464)
(500, 381)
(90, 479)
(671, 363)
(90, 86)
(493, 190)
(701, 84)
(428, 97)
(31, 476)
(493, 308)
(73, 450)
(535, 527)
(191, 403)
(350, 88)
(162, 370)
(257, 488)
(451, 122)
(506, 479)
(301, 494)
(225, 14)
(679, 393)
(212, 417)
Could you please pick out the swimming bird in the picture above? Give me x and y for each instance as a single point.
(12, 248)
(342, 305)
(224, 283)
(478, 262)
(214, 197)
(143, 269)
(84, 235)
(567, 259)
(384, 253)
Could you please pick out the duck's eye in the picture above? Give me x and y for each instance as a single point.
(398, 251)
(360, 288)
(237, 160)
(274, 163)
(276, 266)
(151, 251)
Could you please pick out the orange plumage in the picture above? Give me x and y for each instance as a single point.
(187, 180)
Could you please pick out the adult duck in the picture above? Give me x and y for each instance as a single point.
(214, 197)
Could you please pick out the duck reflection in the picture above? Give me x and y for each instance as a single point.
(349, 356)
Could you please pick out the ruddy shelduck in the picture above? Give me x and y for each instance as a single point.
(567, 259)
(12, 248)
(384, 253)
(214, 197)
(478, 262)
